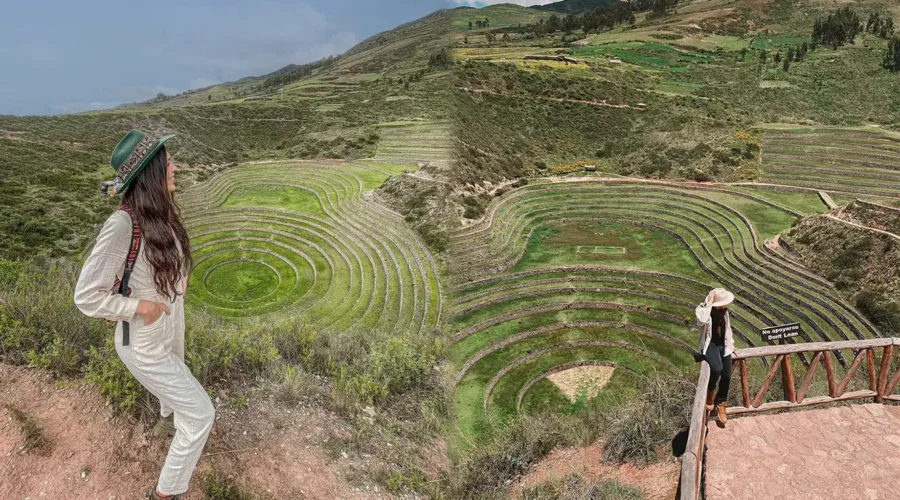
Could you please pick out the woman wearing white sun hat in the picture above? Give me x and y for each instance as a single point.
(716, 347)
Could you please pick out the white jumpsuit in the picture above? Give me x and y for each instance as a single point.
(155, 355)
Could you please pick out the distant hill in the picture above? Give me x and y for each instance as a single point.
(573, 6)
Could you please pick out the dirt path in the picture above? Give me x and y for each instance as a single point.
(283, 454)
(656, 482)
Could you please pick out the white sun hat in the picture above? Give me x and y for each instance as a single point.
(721, 297)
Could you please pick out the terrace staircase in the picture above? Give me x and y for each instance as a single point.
(846, 452)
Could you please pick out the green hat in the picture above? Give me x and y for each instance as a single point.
(131, 155)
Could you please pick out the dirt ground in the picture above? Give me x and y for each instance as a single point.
(656, 482)
(583, 378)
(270, 450)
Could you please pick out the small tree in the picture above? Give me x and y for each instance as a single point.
(777, 57)
(787, 64)
(470, 24)
(466, 39)
(743, 53)
(892, 56)
(763, 56)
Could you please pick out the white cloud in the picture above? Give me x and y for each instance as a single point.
(482, 3)
(139, 93)
(260, 38)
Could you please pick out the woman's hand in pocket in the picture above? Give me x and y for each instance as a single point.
(151, 311)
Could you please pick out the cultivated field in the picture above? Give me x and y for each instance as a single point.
(528, 304)
(304, 237)
(413, 142)
(856, 161)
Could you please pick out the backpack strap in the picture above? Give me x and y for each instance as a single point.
(129, 266)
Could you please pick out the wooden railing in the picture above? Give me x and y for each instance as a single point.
(881, 386)
(692, 460)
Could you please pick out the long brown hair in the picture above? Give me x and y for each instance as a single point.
(161, 226)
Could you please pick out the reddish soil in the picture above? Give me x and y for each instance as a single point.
(272, 451)
(846, 452)
(656, 482)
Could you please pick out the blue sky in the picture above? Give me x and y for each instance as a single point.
(63, 56)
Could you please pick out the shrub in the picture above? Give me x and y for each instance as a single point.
(367, 367)
(215, 488)
(295, 385)
(486, 471)
(116, 383)
(637, 431)
(884, 313)
(39, 323)
(216, 350)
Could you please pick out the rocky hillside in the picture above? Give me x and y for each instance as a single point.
(863, 264)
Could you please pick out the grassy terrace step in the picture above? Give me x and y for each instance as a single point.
(493, 381)
(842, 160)
(874, 182)
(470, 247)
(524, 306)
(741, 249)
(822, 159)
(827, 172)
(845, 152)
(737, 281)
(743, 322)
(425, 142)
(309, 243)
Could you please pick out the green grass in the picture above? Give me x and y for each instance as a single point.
(240, 281)
(324, 253)
(266, 196)
(499, 15)
(805, 202)
(645, 248)
(714, 225)
(766, 220)
(778, 41)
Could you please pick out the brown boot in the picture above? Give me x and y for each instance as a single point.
(720, 409)
(165, 426)
(710, 399)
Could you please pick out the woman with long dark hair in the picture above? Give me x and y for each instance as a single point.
(136, 275)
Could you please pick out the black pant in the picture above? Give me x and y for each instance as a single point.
(719, 371)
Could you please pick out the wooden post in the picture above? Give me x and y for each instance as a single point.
(745, 384)
(829, 371)
(883, 373)
(787, 375)
(768, 382)
(850, 372)
(870, 366)
(804, 386)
